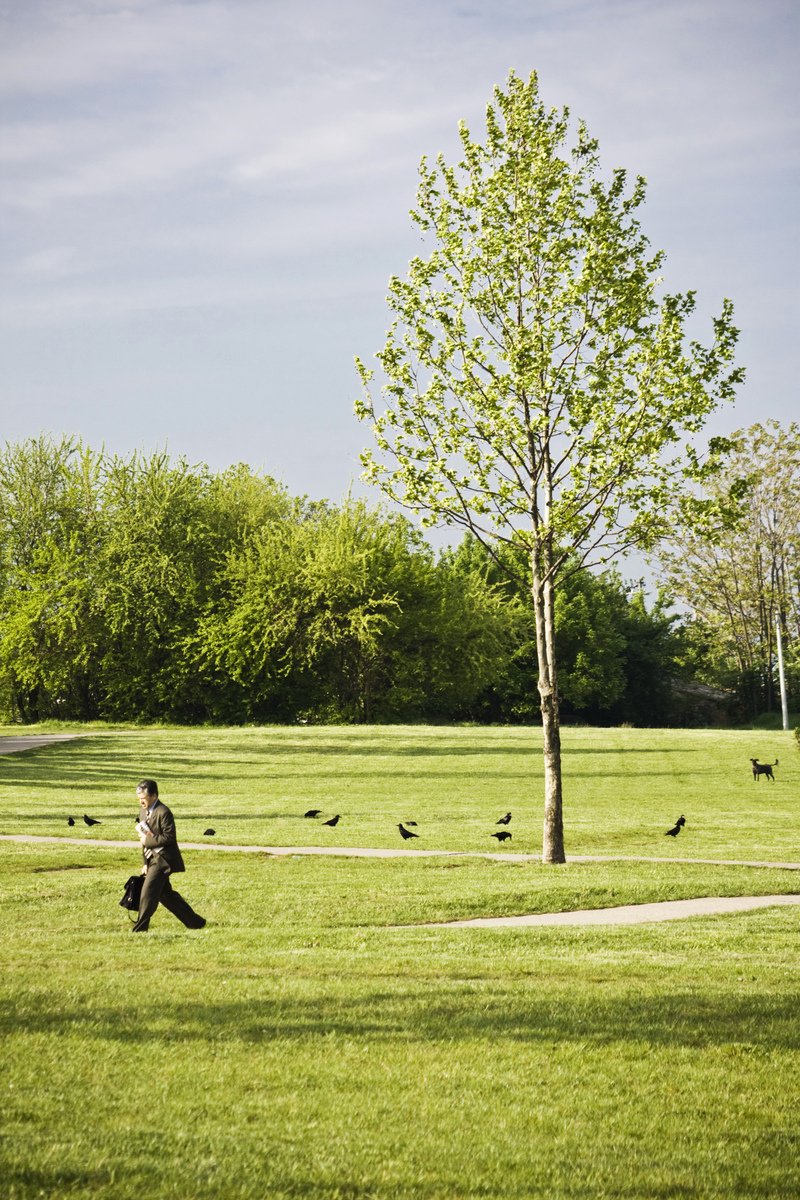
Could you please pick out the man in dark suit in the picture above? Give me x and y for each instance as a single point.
(162, 857)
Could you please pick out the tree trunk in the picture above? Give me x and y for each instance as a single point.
(553, 832)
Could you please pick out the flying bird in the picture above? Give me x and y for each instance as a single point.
(411, 822)
(70, 821)
(502, 836)
(209, 832)
(406, 833)
(333, 820)
(676, 828)
(313, 812)
(504, 820)
(90, 820)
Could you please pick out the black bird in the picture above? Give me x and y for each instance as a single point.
(90, 820)
(504, 820)
(70, 821)
(502, 836)
(676, 828)
(333, 821)
(406, 833)
(313, 812)
(209, 832)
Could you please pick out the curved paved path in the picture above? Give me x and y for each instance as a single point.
(30, 741)
(399, 852)
(628, 914)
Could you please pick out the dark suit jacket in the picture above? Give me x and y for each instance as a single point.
(162, 837)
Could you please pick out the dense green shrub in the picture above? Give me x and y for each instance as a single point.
(144, 588)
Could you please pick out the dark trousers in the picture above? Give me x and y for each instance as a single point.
(156, 890)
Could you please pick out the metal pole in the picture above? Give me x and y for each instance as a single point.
(781, 675)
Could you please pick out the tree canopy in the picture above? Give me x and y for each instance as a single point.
(537, 386)
(147, 588)
(144, 588)
(738, 580)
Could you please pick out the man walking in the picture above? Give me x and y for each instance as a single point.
(162, 857)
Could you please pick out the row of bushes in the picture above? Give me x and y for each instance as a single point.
(146, 588)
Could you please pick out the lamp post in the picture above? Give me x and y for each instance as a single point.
(781, 675)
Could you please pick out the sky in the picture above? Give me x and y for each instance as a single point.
(203, 200)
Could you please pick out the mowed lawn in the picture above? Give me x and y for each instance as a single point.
(623, 787)
(304, 1046)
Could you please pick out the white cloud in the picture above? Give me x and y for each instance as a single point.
(358, 137)
(154, 95)
(108, 300)
(52, 262)
(64, 46)
(260, 154)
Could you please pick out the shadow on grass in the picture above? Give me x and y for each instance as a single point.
(57, 1181)
(90, 765)
(106, 758)
(66, 867)
(459, 748)
(680, 1020)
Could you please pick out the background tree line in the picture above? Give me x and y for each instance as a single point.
(740, 583)
(147, 588)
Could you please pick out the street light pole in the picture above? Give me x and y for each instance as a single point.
(781, 675)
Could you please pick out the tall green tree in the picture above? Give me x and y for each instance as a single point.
(536, 389)
(343, 614)
(298, 592)
(740, 581)
(617, 655)
(171, 529)
(153, 568)
(51, 632)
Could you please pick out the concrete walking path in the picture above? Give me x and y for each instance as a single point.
(628, 914)
(399, 852)
(30, 741)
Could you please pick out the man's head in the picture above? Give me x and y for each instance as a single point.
(147, 792)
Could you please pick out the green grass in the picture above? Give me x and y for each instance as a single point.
(299, 1048)
(623, 787)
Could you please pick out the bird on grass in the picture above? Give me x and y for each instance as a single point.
(209, 832)
(90, 820)
(502, 836)
(504, 820)
(676, 828)
(70, 821)
(406, 833)
(333, 820)
(313, 812)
